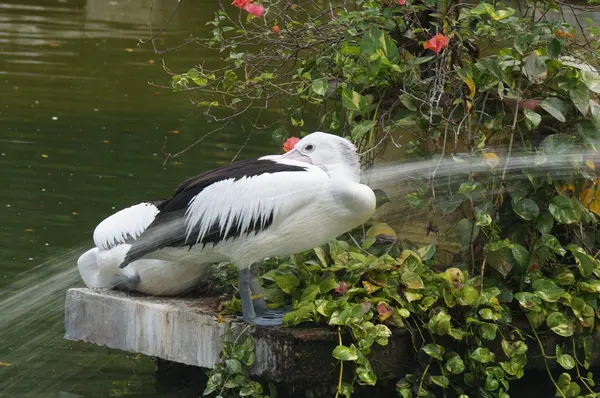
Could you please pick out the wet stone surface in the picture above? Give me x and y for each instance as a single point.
(187, 331)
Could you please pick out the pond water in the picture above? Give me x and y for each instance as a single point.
(82, 134)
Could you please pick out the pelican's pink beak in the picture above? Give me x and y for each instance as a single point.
(296, 155)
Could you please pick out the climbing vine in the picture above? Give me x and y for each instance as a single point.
(478, 83)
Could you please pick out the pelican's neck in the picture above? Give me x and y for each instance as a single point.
(341, 172)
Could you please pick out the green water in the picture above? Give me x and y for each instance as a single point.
(81, 135)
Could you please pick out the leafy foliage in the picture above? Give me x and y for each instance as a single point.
(528, 263)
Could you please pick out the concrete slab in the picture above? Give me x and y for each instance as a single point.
(186, 330)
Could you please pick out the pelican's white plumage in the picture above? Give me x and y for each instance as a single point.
(250, 210)
(99, 266)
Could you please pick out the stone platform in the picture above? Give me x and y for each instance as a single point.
(187, 331)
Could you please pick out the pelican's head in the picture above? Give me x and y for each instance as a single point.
(334, 154)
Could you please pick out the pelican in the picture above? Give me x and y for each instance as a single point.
(252, 209)
(99, 266)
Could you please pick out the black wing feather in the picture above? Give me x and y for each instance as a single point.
(168, 228)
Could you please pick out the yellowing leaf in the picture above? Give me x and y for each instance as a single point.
(590, 196)
(590, 164)
(491, 159)
(371, 288)
(5, 364)
(381, 229)
(471, 85)
(565, 188)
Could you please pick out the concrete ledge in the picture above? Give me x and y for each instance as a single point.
(186, 330)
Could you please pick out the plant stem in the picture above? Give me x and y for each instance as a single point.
(339, 386)
(545, 361)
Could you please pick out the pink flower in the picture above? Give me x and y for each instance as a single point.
(288, 145)
(436, 43)
(255, 9)
(401, 2)
(241, 3)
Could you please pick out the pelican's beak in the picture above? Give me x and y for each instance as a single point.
(294, 154)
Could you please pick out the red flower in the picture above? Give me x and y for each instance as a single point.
(241, 3)
(276, 29)
(563, 34)
(255, 9)
(436, 43)
(288, 145)
(401, 2)
(342, 287)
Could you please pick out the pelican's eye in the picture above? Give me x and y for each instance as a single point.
(308, 148)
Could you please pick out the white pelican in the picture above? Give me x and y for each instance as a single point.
(99, 267)
(253, 209)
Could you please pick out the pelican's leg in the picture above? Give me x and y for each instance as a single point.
(254, 308)
(258, 297)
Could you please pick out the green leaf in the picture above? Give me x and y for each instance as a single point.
(560, 324)
(359, 130)
(344, 353)
(412, 280)
(482, 355)
(427, 252)
(526, 208)
(565, 360)
(468, 187)
(580, 96)
(564, 210)
(528, 300)
(407, 102)
(501, 260)
(545, 222)
(441, 381)
(554, 48)
(468, 295)
(547, 290)
(439, 323)
(563, 276)
(551, 243)
(591, 80)
(234, 366)
(521, 255)
(353, 101)
(555, 107)
(532, 119)
(328, 283)
(287, 282)
(534, 67)
(488, 331)
(585, 262)
(455, 364)
(320, 86)
(377, 43)
(434, 350)
(467, 232)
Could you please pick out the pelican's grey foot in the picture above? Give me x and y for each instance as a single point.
(265, 320)
(254, 307)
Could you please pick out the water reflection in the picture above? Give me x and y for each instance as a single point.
(81, 134)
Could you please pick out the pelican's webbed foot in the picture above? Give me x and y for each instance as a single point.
(254, 306)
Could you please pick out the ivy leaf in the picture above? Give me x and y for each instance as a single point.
(434, 350)
(521, 255)
(467, 232)
(467, 295)
(532, 119)
(455, 364)
(482, 355)
(319, 86)
(564, 210)
(534, 67)
(359, 130)
(376, 42)
(427, 252)
(234, 366)
(441, 381)
(488, 331)
(439, 323)
(551, 243)
(565, 360)
(580, 96)
(501, 260)
(526, 208)
(547, 290)
(344, 353)
(545, 222)
(554, 48)
(353, 101)
(412, 280)
(528, 300)
(555, 107)
(585, 262)
(407, 102)
(560, 324)
(591, 80)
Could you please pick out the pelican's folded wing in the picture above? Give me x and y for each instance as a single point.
(125, 225)
(225, 203)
